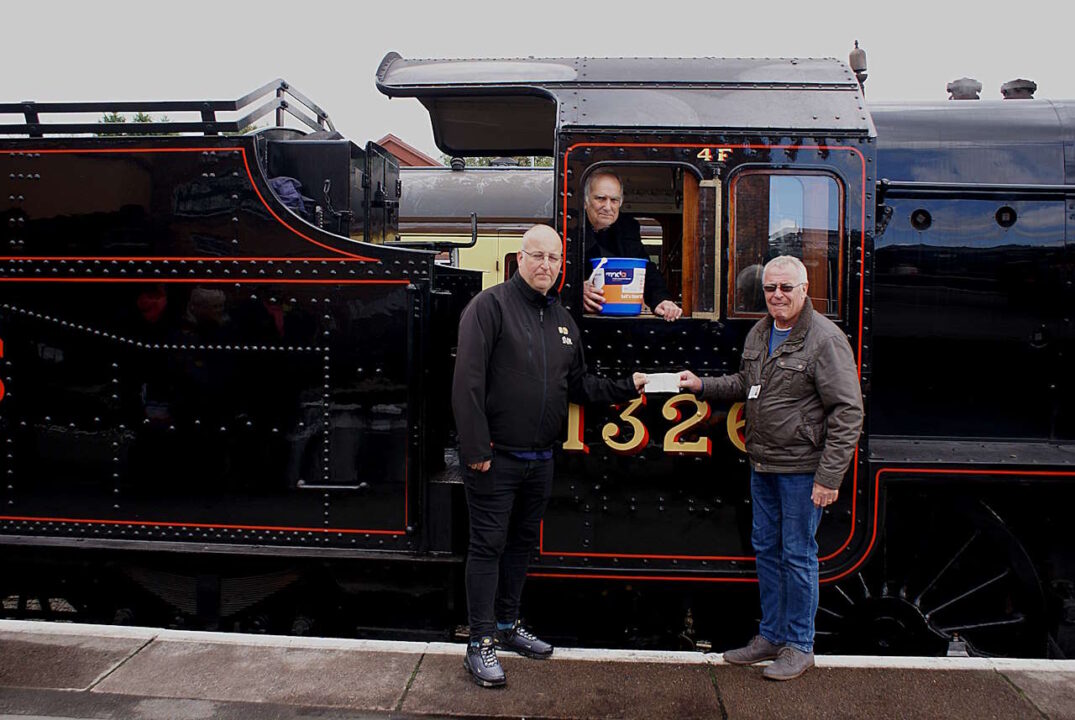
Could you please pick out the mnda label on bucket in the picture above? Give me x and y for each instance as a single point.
(624, 285)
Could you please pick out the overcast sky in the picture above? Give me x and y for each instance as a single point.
(120, 50)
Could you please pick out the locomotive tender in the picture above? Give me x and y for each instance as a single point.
(241, 407)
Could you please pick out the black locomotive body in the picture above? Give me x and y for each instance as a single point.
(200, 357)
(971, 423)
(225, 402)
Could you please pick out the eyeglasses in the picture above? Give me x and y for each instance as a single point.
(540, 257)
(785, 288)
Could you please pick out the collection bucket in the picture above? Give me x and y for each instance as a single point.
(623, 280)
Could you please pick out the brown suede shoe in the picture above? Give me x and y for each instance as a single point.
(756, 651)
(789, 664)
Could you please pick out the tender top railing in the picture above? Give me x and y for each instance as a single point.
(275, 97)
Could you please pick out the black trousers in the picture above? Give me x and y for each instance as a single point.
(506, 504)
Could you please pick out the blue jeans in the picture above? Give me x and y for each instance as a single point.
(783, 535)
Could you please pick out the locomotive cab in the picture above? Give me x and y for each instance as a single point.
(951, 522)
(733, 162)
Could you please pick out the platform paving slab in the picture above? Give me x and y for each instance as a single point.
(282, 675)
(565, 689)
(836, 694)
(1053, 693)
(62, 705)
(61, 661)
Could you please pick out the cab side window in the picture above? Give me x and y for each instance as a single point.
(782, 213)
(652, 212)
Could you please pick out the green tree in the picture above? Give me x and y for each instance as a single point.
(141, 117)
(113, 118)
(138, 117)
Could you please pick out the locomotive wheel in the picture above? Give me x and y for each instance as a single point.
(953, 572)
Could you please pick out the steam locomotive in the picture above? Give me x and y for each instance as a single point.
(226, 369)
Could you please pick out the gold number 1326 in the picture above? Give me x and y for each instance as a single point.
(638, 435)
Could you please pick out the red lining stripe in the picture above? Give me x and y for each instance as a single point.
(246, 164)
(212, 526)
(338, 256)
(272, 212)
(934, 471)
(217, 526)
(862, 285)
(873, 533)
(204, 259)
(205, 281)
(666, 578)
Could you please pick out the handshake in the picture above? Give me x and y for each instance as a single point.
(654, 383)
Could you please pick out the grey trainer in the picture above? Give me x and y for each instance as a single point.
(756, 651)
(518, 639)
(789, 664)
(482, 664)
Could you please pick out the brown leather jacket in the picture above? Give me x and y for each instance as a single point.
(807, 415)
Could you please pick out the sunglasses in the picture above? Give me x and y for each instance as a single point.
(785, 288)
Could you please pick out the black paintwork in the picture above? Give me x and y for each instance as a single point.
(190, 366)
(989, 305)
(659, 513)
(188, 359)
(516, 106)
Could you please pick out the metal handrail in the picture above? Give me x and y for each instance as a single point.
(283, 100)
(1023, 191)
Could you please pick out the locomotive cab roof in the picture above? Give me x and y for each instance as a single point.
(517, 106)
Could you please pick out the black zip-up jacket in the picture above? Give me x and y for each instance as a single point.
(519, 362)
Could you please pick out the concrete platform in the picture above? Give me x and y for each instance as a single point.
(565, 689)
(61, 661)
(73, 671)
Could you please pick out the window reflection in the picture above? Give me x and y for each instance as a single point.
(775, 213)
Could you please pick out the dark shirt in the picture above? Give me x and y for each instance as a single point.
(623, 238)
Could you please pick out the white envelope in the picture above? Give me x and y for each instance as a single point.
(662, 383)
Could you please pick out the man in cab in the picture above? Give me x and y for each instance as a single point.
(610, 234)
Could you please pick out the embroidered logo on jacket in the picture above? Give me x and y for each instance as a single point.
(563, 335)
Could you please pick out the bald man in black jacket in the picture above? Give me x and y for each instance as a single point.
(519, 362)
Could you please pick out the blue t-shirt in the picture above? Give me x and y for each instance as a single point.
(777, 337)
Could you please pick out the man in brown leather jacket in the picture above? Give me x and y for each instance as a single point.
(803, 419)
